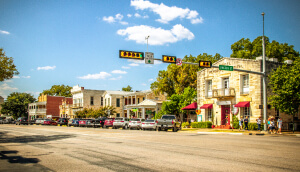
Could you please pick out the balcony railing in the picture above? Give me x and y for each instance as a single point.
(223, 92)
(244, 91)
(37, 110)
(77, 105)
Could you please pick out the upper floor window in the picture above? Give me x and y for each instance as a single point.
(92, 101)
(118, 102)
(101, 101)
(138, 100)
(209, 88)
(245, 84)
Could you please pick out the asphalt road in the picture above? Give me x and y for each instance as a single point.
(51, 148)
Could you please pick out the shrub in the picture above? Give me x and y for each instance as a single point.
(235, 122)
(201, 124)
(184, 124)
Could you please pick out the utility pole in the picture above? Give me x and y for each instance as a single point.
(264, 75)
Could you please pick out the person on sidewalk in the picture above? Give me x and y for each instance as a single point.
(272, 126)
(241, 123)
(258, 123)
(246, 123)
(279, 124)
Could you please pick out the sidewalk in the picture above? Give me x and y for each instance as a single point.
(236, 132)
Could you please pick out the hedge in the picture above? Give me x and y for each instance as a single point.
(201, 124)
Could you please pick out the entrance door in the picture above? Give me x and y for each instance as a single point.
(225, 114)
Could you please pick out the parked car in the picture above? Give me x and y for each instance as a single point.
(121, 122)
(62, 121)
(8, 121)
(74, 122)
(86, 123)
(49, 122)
(168, 122)
(108, 122)
(99, 122)
(149, 124)
(39, 121)
(135, 123)
(22, 120)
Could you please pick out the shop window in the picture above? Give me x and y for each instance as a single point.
(92, 101)
(209, 115)
(118, 115)
(118, 102)
(246, 112)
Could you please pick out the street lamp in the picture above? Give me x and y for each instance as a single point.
(147, 37)
(264, 75)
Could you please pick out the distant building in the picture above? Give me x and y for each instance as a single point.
(47, 106)
(222, 93)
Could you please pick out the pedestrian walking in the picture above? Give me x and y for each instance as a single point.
(246, 120)
(272, 126)
(279, 124)
(258, 123)
(241, 123)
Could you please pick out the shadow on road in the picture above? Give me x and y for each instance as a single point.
(4, 138)
(16, 159)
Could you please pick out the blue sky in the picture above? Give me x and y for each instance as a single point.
(77, 42)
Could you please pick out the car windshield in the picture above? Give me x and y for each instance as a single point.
(135, 120)
(168, 117)
(119, 119)
(150, 121)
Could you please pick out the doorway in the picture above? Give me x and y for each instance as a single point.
(225, 114)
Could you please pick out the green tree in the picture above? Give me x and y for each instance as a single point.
(59, 90)
(16, 104)
(176, 78)
(246, 49)
(285, 85)
(7, 67)
(128, 88)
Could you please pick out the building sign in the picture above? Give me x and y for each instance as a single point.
(223, 102)
(223, 67)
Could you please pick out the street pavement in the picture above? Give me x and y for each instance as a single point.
(52, 148)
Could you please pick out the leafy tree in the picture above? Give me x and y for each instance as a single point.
(16, 104)
(95, 113)
(59, 90)
(128, 88)
(7, 67)
(176, 78)
(246, 49)
(285, 85)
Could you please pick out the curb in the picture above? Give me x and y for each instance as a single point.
(223, 133)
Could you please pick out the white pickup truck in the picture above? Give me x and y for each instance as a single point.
(168, 122)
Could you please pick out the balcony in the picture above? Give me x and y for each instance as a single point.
(37, 111)
(244, 91)
(223, 92)
(77, 105)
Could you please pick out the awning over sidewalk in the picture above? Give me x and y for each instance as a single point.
(207, 106)
(192, 106)
(242, 104)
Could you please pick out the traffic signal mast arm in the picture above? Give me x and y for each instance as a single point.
(241, 70)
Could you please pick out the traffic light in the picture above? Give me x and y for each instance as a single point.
(205, 64)
(131, 55)
(169, 59)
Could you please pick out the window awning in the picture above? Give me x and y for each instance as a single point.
(242, 104)
(192, 106)
(207, 106)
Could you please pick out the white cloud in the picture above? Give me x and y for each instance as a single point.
(118, 18)
(129, 15)
(5, 86)
(136, 61)
(46, 68)
(166, 13)
(101, 75)
(133, 64)
(150, 80)
(119, 72)
(158, 36)
(137, 15)
(26, 77)
(17, 77)
(125, 67)
(6, 89)
(118, 78)
(4, 32)
(197, 20)
(143, 84)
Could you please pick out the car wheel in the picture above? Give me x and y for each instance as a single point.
(143, 129)
(174, 129)
(126, 127)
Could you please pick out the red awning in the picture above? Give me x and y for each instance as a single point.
(207, 106)
(192, 106)
(242, 104)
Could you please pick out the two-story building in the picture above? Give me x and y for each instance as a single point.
(222, 93)
(47, 106)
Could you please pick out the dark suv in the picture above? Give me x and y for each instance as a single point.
(22, 120)
(99, 122)
(62, 121)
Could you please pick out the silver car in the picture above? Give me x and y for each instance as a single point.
(149, 124)
(40, 121)
(121, 122)
(136, 123)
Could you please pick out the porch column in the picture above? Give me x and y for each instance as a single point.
(135, 100)
(131, 100)
(143, 112)
(128, 113)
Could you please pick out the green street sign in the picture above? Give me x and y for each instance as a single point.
(223, 67)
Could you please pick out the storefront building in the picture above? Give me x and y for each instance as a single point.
(222, 94)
